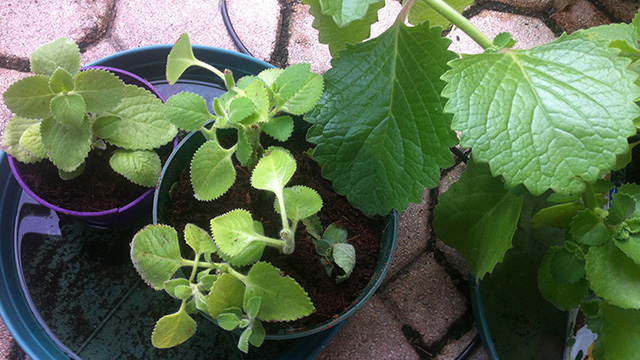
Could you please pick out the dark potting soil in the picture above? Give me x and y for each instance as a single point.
(304, 265)
(98, 188)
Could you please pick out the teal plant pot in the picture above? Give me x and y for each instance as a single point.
(181, 159)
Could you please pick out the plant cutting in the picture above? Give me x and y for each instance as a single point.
(63, 112)
(544, 124)
(228, 281)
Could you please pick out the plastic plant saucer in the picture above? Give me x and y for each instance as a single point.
(69, 290)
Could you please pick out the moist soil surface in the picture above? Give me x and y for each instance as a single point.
(304, 265)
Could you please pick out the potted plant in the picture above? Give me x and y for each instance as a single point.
(75, 117)
(544, 125)
(228, 279)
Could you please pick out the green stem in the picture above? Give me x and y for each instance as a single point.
(277, 243)
(460, 21)
(589, 198)
(209, 134)
(199, 263)
(212, 69)
(236, 274)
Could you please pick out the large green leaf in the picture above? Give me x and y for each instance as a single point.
(212, 171)
(226, 292)
(620, 332)
(421, 12)
(13, 133)
(613, 276)
(180, 58)
(67, 146)
(69, 109)
(187, 111)
(59, 53)
(553, 116)
(155, 253)
(344, 12)
(273, 171)
(143, 126)
(100, 89)
(562, 295)
(172, 330)
(141, 167)
(478, 217)
(283, 299)
(380, 128)
(234, 233)
(337, 37)
(30, 97)
(31, 141)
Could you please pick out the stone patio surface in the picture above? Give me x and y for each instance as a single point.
(422, 310)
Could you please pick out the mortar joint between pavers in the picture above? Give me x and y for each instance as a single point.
(543, 15)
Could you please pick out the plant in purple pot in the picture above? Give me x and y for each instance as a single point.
(64, 113)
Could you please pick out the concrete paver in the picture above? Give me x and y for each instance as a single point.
(257, 25)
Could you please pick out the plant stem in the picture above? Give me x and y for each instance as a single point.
(236, 274)
(589, 198)
(460, 21)
(212, 69)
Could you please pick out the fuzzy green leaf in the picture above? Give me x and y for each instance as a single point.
(226, 292)
(257, 91)
(30, 97)
(557, 215)
(269, 76)
(300, 202)
(180, 58)
(565, 267)
(344, 12)
(587, 228)
(552, 117)
(252, 306)
(380, 128)
(478, 217)
(279, 127)
(283, 299)
(171, 285)
(563, 295)
(67, 147)
(141, 167)
(245, 151)
(172, 330)
(143, 126)
(621, 36)
(31, 141)
(613, 276)
(14, 131)
(69, 109)
(100, 89)
(61, 81)
(234, 231)
(291, 80)
(187, 111)
(421, 12)
(212, 171)
(65, 175)
(198, 239)
(273, 171)
(335, 234)
(155, 253)
(622, 206)
(240, 108)
(313, 226)
(228, 321)
(620, 332)
(258, 333)
(105, 126)
(306, 97)
(61, 52)
(183, 292)
(243, 341)
(337, 37)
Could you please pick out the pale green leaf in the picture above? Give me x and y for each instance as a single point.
(344, 12)
(243, 341)
(300, 202)
(269, 76)
(557, 215)
(283, 299)
(226, 292)
(30, 97)
(273, 171)
(105, 126)
(552, 117)
(14, 131)
(240, 108)
(313, 226)
(155, 253)
(64, 175)
(69, 109)
(620, 332)
(187, 111)
(279, 127)
(258, 334)
(563, 296)
(478, 217)
(621, 36)
(212, 171)
(143, 126)
(61, 81)
(100, 89)
(183, 292)
(31, 141)
(59, 53)
(198, 239)
(257, 91)
(234, 231)
(337, 37)
(67, 147)
(344, 255)
(421, 12)
(380, 129)
(613, 276)
(252, 306)
(171, 285)
(228, 321)
(306, 97)
(245, 151)
(172, 330)
(291, 80)
(142, 167)
(180, 58)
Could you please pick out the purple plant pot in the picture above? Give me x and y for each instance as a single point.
(112, 218)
